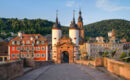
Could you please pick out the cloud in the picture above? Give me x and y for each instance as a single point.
(108, 6)
(70, 3)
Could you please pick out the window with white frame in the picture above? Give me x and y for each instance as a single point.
(13, 48)
(37, 42)
(18, 42)
(42, 55)
(38, 48)
(12, 55)
(22, 55)
(17, 48)
(43, 48)
(43, 42)
(28, 42)
(17, 55)
(37, 55)
(13, 42)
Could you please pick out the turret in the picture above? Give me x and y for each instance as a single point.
(56, 31)
(74, 31)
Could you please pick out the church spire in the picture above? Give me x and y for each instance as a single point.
(80, 16)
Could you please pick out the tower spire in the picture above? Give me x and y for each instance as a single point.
(80, 16)
(57, 24)
(73, 16)
(80, 12)
(56, 16)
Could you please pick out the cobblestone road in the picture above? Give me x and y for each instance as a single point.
(67, 72)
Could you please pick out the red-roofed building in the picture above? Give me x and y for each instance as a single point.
(33, 46)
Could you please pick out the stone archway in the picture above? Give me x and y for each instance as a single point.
(65, 50)
(65, 57)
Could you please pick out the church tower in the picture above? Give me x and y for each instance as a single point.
(56, 35)
(80, 26)
(74, 32)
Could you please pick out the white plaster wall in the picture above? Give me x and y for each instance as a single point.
(74, 33)
(56, 33)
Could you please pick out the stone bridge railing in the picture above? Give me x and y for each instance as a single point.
(117, 67)
(13, 69)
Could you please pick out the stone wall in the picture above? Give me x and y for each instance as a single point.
(43, 63)
(11, 70)
(117, 67)
(34, 64)
(96, 63)
(87, 62)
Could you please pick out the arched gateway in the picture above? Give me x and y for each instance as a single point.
(65, 51)
(65, 57)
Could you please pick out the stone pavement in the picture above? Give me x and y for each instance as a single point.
(67, 72)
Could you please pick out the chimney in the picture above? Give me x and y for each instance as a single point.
(19, 34)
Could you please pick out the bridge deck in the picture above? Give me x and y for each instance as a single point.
(67, 72)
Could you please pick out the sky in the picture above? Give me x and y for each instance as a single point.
(92, 10)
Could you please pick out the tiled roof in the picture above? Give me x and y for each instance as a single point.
(28, 37)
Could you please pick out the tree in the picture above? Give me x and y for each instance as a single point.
(105, 54)
(123, 55)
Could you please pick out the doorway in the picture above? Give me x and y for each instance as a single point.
(65, 57)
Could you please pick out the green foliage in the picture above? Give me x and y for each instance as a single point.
(123, 55)
(25, 25)
(105, 54)
(129, 54)
(122, 28)
(113, 53)
(44, 27)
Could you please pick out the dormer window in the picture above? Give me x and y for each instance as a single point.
(18, 42)
(13, 42)
(36, 37)
(43, 42)
(28, 42)
(38, 42)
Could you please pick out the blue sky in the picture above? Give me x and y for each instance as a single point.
(92, 10)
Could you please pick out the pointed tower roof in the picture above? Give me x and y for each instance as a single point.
(80, 16)
(57, 24)
(73, 25)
